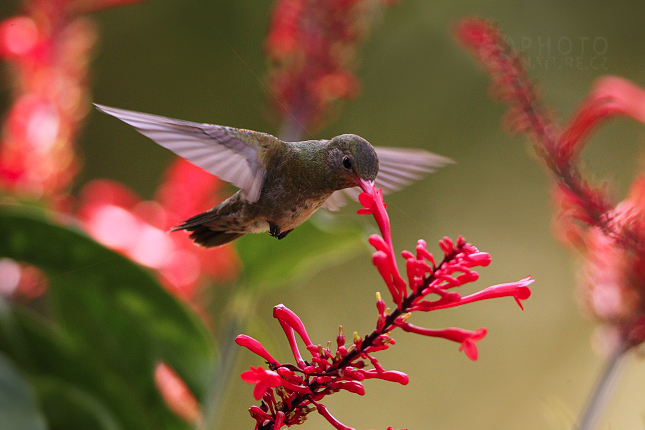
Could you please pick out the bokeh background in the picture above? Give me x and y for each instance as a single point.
(204, 61)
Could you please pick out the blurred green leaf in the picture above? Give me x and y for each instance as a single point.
(271, 263)
(18, 409)
(70, 407)
(112, 322)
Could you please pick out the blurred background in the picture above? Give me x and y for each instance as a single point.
(204, 61)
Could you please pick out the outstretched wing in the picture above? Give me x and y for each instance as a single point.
(234, 155)
(398, 167)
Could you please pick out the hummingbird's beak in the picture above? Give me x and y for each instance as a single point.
(366, 186)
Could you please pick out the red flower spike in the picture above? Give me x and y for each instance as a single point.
(312, 48)
(345, 369)
(255, 347)
(49, 52)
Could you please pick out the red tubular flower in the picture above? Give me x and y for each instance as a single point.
(286, 315)
(351, 386)
(262, 379)
(372, 200)
(466, 338)
(289, 320)
(279, 419)
(255, 347)
(389, 375)
(322, 410)
(610, 96)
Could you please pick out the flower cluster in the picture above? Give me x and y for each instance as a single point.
(291, 391)
(611, 236)
(116, 217)
(312, 46)
(49, 50)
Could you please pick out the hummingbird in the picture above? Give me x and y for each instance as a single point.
(281, 183)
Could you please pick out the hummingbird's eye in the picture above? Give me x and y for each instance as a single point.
(347, 162)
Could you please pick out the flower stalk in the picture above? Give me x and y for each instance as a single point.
(289, 392)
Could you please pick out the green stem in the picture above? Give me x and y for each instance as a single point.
(240, 307)
(604, 387)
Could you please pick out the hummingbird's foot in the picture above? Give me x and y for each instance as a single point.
(284, 234)
(274, 231)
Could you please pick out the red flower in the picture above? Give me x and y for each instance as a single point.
(116, 217)
(262, 379)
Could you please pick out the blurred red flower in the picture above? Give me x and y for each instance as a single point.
(611, 236)
(313, 46)
(114, 216)
(176, 394)
(48, 51)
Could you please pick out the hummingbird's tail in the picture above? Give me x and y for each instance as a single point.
(205, 235)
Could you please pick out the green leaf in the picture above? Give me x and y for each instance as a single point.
(18, 409)
(272, 263)
(111, 323)
(70, 407)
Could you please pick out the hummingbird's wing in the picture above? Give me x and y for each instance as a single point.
(234, 155)
(398, 167)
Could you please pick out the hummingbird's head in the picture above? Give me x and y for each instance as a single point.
(352, 158)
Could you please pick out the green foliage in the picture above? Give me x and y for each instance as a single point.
(90, 356)
(276, 263)
(18, 407)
